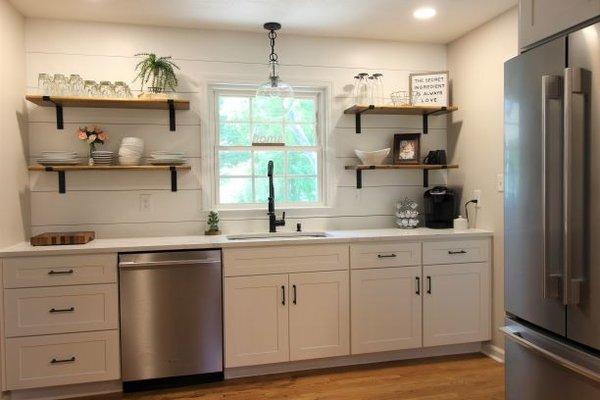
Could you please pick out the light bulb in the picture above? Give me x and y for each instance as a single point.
(424, 13)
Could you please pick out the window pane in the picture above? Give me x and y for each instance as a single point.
(231, 134)
(267, 109)
(235, 190)
(267, 133)
(262, 189)
(261, 159)
(300, 135)
(302, 163)
(234, 108)
(235, 163)
(303, 190)
(303, 110)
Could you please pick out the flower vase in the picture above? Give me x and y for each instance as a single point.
(92, 149)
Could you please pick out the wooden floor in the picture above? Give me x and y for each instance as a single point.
(470, 377)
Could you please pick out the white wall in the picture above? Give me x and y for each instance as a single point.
(109, 202)
(14, 207)
(476, 131)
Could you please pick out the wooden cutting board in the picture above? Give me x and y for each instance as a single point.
(62, 238)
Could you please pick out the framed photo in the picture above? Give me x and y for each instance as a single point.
(429, 89)
(407, 148)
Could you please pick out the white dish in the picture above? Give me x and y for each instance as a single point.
(167, 161)
(372, 157)
(52, 163)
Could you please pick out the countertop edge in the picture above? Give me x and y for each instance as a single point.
(116, 245)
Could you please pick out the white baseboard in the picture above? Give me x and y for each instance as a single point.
(493, 352)
(345, 361)
(65, 392)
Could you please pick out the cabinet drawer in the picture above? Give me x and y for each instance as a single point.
(59, 270)
(39, 311)
(385, 255)
(456, 251)
(285, 259)
(54, 360)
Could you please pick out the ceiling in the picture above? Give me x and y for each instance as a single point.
(369, 19)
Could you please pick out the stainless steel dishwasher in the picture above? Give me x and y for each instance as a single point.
(171, 318)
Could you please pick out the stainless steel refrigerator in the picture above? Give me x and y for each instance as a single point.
(552, 219)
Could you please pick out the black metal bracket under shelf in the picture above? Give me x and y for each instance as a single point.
(60, 124)
(172, 125)
(358, 118)
(359, 183)
(426, 118)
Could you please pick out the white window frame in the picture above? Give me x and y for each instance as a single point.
(319, 94)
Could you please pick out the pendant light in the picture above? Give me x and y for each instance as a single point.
(276, 97)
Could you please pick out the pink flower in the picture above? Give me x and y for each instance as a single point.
(81, 135)
(102, 136)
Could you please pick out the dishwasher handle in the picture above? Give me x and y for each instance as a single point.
(166, 263)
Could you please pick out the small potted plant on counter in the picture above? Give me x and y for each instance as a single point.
(213, 224)
(158, 73)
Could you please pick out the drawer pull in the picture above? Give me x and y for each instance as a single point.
(61, 310)
(66, 272)
(418, 292)
(457, 252)
(386, 255)
(62, 361)
(428, 285)
(282, 295)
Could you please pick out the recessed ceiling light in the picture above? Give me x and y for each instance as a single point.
(424, 13)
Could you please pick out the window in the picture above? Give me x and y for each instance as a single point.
(241, 167)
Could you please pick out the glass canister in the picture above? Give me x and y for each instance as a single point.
(75, 85)
(106, 89)
(60, 86)
(90, 89)
(45, 83)
(122, 90)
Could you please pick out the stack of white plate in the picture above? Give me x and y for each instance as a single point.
(58, 158)
(131, 150)
(166, 158)
(103, 157)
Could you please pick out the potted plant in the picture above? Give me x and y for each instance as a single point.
(213, 224)
(92, 137)
(157, 73)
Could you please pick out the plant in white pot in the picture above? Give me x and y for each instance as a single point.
(157, 73)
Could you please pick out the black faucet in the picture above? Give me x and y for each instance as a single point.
(273, 221)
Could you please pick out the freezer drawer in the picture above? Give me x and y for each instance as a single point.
(539, 367)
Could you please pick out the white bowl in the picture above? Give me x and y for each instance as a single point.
(372, 157)
(129, 160)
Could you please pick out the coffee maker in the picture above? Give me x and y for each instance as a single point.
(440, 207)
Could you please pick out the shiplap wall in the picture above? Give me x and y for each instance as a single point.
(108, 202)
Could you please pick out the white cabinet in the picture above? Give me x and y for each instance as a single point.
(319, 315)
(539, 19)
(386, 309)
(256, 320)
(456, 304)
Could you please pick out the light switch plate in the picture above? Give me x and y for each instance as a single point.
(477, 196)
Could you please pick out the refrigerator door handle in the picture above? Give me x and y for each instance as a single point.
(514, 335)
(551, 108)
(574, 126)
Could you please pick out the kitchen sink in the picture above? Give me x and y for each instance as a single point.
(276, 235)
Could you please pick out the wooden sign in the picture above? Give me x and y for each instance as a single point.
(62, 238)
(429, 89)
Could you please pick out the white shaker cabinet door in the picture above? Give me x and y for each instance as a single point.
(319, 315)
(256, 320)
(386, 309)
(456, 304)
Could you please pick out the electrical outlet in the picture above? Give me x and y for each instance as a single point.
(477, 196)
(145, 202)
(500, 182)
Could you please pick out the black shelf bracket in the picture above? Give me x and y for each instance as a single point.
(172, 125)
(426, 118)
(60, 124)
(173, 178)
(358, 118)
(62, 181)
(425, 178)
(359, 178)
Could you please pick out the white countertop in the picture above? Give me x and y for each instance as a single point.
(118, 245)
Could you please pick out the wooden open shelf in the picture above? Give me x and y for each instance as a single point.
(424, 167)
(424, 111)
(61, 169)
(60, 102)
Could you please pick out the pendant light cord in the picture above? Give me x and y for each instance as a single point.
(273, 57)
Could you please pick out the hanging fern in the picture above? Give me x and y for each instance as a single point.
(159, 72)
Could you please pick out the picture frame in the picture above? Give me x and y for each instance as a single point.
(429, 89)
(407, 148)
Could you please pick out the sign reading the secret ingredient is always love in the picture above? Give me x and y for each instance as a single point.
(429, 89)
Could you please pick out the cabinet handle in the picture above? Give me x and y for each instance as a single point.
(386, 255)
(418, 285)
(295, 294)
(66, 272)
(457, 252)
(62, 361)
(283, 295)
(428, 285)
(60, 310)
